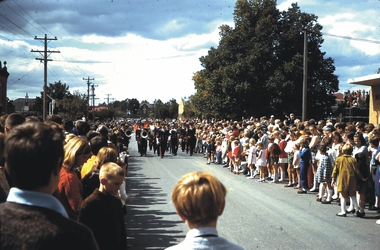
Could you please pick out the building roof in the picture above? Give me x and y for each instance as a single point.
(370, 80)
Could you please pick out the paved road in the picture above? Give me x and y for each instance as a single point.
(257, 215)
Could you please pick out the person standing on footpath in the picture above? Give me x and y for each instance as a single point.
(305, 158)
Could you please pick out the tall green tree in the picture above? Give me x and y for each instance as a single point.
(258, 66)
(173, 108)
(57, 91)
(160, 110)
(72, 106)
(133, 105)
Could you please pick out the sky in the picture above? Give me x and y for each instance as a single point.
(150, 49)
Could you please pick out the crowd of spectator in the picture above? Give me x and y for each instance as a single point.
(340, 162)
(80, 166)
(355, 99)
(337, 161)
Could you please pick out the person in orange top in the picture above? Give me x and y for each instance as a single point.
(70, 189)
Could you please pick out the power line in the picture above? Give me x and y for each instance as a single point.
(22, 16)
(353, 38)
(32, 18)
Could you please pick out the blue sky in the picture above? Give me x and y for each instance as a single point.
(149, 49)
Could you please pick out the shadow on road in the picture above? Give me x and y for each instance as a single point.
(147, 227)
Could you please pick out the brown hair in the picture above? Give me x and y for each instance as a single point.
(199, 197)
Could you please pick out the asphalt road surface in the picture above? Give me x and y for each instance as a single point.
(256, 216)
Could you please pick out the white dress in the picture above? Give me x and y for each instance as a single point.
(262, 161)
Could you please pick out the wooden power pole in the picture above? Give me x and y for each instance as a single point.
(45, 59)
(88, 93)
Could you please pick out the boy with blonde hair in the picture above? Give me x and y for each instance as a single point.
(102, 211)
(199, 199)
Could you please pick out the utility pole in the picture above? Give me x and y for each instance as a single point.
(88, 93)
(93, 98)
(304, 95)
(45, 59)
(108, 100)
(93, 94)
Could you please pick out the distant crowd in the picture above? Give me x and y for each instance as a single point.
(355, 99)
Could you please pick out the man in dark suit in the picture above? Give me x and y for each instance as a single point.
(174, 140)
(138, 137)
(32, 218)
(183, 131)
(191, 139)
(163, 140)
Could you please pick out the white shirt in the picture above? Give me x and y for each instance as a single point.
(204, 238)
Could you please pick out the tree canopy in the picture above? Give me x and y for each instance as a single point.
(257, 69)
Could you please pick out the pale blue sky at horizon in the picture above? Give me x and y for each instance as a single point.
(150, 49)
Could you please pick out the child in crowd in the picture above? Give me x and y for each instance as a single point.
(363, 186)
(210, 149)
(122, 194)
(251, 159)
(269, 159)
(283, 157)
(102, 211)
(218, 151)
(199, 199)
(274, 151)
(296, 163)
(344, 175)
(235, 156)
(261, 161)
(323, 177)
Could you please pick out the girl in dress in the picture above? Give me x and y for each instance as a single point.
(296, 163)
(261, 161)
(324, 175)
(345, 174)
(251, 159)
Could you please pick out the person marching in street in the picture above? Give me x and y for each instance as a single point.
(184, 132)
(163, 140)
(174, 139)
(191, 137)
(155, 142)
(143, 141)
(138, 136)
(125, 135)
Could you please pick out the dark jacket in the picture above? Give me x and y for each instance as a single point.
(32, 227)
(103, 214)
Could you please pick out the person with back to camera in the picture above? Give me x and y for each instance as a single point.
(199, 199)
(32, 218)
(102, 211)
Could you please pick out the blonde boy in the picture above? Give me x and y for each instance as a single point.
(102, 211)
(199, 199)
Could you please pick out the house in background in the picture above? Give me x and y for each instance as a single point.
(24, 105)
(145, 109)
